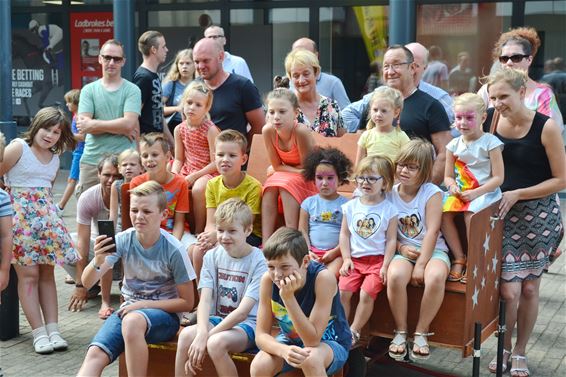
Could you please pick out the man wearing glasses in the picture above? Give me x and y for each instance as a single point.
(232, 63)
(108, 114)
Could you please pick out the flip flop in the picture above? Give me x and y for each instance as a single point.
(105, 313)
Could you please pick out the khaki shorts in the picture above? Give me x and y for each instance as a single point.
(88, 177)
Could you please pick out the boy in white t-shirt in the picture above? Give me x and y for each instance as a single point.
(229, 295)
(157, 285)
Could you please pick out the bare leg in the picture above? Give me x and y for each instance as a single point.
(94, 363)
(334, 267)
(48, 294)
(511, 293)
(69, 190)
(450, 233)
(345, 299)
(398, 277)
(186, 338)
(196, 254)
(363, 311)
(28, 291)
(198, 206)
(436, 272)
(319, 359)
(134, 327)
(291, 209)
(265, 364)
(219, 345)
(269, 206)
(526, 314)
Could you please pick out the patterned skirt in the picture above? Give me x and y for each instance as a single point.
(532, 231)
(39, 234)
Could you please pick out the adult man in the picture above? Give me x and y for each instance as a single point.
(232, 63)
(152, 46)
(93, 205)
(436, 73)
(556, 78)
(236, 99)
(108, 114)
(461, 78)
(326, 84)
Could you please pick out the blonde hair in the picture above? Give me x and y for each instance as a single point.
(233, 136)
(470, 99)
(155, 137)
(232, 211)
(301, 57)
(200, 87)
(420, 152)
(392, 95)
(151, 188)
(129, 153)
(174, 74)
(381, 165)
(515, 78)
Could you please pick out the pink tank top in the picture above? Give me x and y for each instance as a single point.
(195, 145)
(292, 156)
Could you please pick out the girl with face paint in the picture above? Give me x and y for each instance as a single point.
(321, 214)
(473, 174)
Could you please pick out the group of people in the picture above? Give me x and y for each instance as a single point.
(198, 218)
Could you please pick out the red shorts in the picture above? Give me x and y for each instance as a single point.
(365, 276)
(318, 252)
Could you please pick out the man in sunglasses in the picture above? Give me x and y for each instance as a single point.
(108, 114)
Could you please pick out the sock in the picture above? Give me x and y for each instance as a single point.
(39, 331)
(52, 327)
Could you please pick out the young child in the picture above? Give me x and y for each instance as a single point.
(321, 214)
(367, 248)
(380, 136)
(422, 255)
(6, 213)
(473, 174)
(302, 297)
(194, 147)
(157, 285)
(129, 166)
(155, 155)
(229, 295)
(30, 166)
(230, 156)
(72, 102)
(287, 143)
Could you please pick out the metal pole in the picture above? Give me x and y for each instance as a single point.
(124, 27)
(501, 329)
(477, 349)
(7, 124)
(402, 24)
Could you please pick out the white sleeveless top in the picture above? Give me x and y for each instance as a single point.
(411, 217)
(29, 171)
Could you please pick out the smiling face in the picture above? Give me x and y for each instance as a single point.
(382, 114)
(195, 107)
(284, 266)
(46, 138)
(397, 71)
(326, 181)
(153, 158)
(504, 98)
(145, 214)
(304, 78)
(281, 114)
(232, 237)
(229, 158)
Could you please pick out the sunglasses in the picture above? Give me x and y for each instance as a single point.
(514, 58)
(108, 58)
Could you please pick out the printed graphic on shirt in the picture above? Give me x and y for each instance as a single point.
(231, 288)
(328, 217)
(366, 224)
(410, 224)
(171, 205)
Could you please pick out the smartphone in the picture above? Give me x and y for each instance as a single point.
(106, 227)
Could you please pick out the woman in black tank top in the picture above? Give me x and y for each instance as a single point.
(535, 169)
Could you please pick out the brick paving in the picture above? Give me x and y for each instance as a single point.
(546, 349)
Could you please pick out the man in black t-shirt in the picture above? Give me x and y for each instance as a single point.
(152, 46)
(236, 99)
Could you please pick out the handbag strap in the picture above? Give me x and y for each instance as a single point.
(172, 95)
(494, 121)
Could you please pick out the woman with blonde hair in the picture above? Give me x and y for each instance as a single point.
(181, 73)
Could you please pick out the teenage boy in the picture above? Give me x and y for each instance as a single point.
(302, 296)
(155, 155)
(229, 293)
(157, 285)
(230, 147)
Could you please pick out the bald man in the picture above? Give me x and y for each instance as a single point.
(236, 99)
(326, 84)
(232, 63)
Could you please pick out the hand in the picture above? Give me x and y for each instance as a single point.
(196, 353)
(78, 299)
(206, 240)
(290, 284)
(84, 125)
(191, 179)
(295, 356)
(347, 267)
(102, 247)
(507, 201)
(409, 252)
(134, 134)
(270, 170)
(314, 257)
(329, 256)
(469, 195)
(383, 274)
(124, 310)
(453, 189)
(417, 278)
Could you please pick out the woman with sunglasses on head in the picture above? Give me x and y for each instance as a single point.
(517, 49)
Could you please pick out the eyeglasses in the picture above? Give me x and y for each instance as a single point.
(394, 66)
(108, 58)
(514, 58)
(410, 167)
(360, 179)
(215, 36)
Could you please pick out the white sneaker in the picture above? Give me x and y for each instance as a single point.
(59, 210)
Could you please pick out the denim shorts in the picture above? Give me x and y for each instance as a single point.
(436, 254)
(75, 166)
(250, 332)
(161, 327)
(339, 351)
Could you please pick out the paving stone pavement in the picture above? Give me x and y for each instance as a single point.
(546, 349)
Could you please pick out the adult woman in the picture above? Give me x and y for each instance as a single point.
(181, 73)
(318, 112)
(535, 169)
(517, 49)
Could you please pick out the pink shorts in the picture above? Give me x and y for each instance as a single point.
(318, 252)
(365, 276)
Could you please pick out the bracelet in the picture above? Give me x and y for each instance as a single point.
(79, 285)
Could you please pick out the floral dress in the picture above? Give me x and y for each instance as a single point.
(328, 119)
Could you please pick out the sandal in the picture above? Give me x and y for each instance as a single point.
(420, 340)
(42, 344)
(400, 340)
(464, 279)
(519, 372)
(105, 313)
(492, 366)
(69, 279)
(57, 341)
(457, 276)
(355, 338)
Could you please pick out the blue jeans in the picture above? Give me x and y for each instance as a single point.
(161, 327)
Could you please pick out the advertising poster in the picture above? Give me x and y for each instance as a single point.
(89, 31)
(37, 68)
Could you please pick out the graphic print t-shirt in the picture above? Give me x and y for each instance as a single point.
(151, 118)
